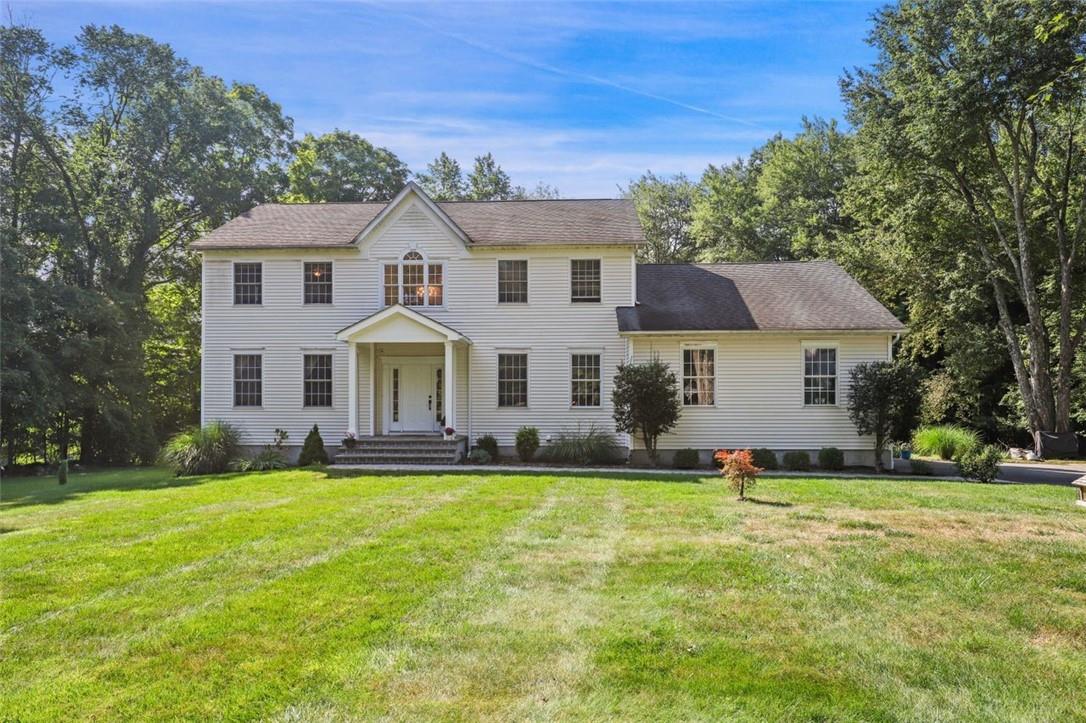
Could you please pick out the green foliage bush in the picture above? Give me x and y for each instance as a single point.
(592, 446)
(489, 443)
(204, 450)
(948, 441)
(686, 459)
(480, 455)
(883, 401)
(982, 463)
(797, 461)
(764, 458)
(831, 458)
(313, 451)
(646, 401)
(920, 467)
(267, 459)
(527, 443)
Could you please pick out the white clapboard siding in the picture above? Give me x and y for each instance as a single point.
(759, 391)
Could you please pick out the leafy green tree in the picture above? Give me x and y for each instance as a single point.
(646, 401)
(973, 117)
(172, 357)
(488, 182)
(783, 202)
(142, 155)
(443, 180)
(884, 401)
(343, 166)
(665, 207)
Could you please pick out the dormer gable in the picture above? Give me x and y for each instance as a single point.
(411, 220)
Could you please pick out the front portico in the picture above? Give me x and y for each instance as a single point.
(403, 372)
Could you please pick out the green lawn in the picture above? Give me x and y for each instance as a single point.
(302, 596)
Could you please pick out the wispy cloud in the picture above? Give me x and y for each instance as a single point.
(563, 72)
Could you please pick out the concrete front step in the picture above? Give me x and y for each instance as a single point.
(403, 450)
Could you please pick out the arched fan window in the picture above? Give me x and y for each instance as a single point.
(414, 282)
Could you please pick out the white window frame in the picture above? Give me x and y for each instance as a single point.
(233, 377)
(527, 279)
(569, 278)
(570, 353)
(816, 344)
(497, 379)
(332, 264)
(234, 282)
(319, 352)
(694, 346)
(426, 262)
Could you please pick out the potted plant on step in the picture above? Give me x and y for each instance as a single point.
(450, 433)
(350, 441)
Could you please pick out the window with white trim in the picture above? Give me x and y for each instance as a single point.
(512, 281)
(819, 375)
(248, 380)
(248, 286)
(317, 380)
(699, 377)
(317, 282)
(585, 380)
(584, 280)
(512, 380)
(414, 282)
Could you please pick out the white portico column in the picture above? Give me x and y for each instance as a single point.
(448, 403)
(352, 387)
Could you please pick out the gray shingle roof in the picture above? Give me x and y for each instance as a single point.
(794, 296)
(486, 223)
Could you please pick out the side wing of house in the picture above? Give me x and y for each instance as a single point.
(763, 353)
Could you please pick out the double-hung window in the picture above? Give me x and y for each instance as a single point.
(512, 281)
(699, 377)
(819, 375)
(513, 380)
(585, 380)
(317, 282)
(248, 380)
(584, 280)
(248, 288)
(414, 282)
(317, 380)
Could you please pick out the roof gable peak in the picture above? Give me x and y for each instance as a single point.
(411, 191)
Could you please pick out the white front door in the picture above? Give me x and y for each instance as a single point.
(413, 395)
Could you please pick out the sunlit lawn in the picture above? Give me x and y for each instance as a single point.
(297, 595)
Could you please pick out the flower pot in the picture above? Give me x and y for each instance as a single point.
(906, 454)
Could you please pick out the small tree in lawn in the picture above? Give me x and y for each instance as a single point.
(313, 451)
(646, 401)
(884, 401)
(738, 467)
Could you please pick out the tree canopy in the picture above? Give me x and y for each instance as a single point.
(343, 166)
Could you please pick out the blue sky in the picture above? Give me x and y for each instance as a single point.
(582, 96)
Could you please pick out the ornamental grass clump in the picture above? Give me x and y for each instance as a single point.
(948, 441)
(589, 446)
(202, 450)
(739, 468)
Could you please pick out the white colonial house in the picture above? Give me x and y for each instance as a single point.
(394, 320)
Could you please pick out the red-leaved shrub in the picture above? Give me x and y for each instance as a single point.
(739, 468)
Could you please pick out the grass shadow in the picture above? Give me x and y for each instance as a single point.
(768, 503)
(45, 490)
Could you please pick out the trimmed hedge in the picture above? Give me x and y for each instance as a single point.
(831, 458)
(797, 461)
(764, 458)
(686, 459)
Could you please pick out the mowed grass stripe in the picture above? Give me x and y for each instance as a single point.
(271, 638)
(103, 570)
(504, 640)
